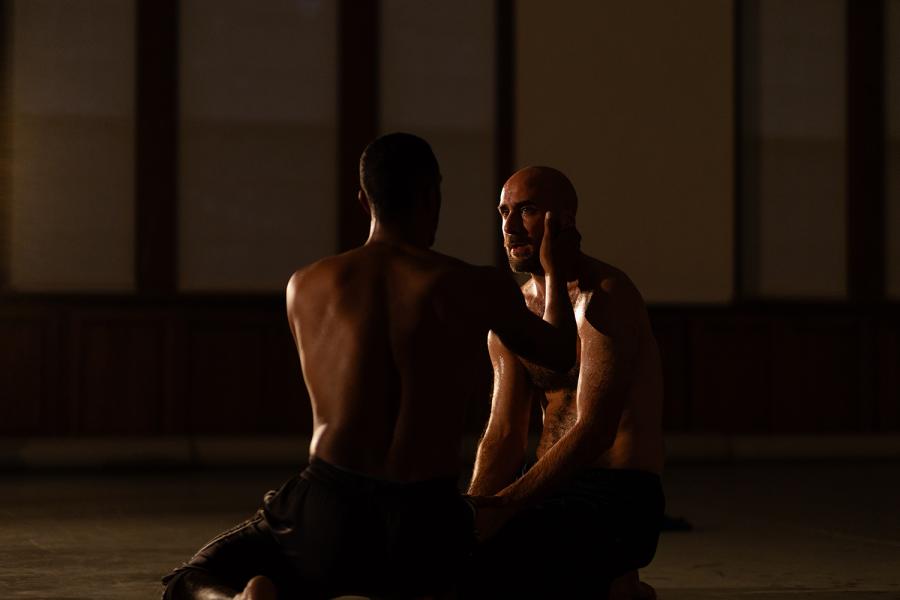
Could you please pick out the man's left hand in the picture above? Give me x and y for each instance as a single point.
(491, 514)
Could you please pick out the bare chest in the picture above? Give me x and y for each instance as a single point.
(548, 380)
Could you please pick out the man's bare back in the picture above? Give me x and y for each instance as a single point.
(376, 328)
(377, 511)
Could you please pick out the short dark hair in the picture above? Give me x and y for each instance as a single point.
(394, 171)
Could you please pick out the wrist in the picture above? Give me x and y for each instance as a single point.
(506, 499)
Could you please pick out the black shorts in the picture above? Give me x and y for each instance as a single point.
(574, 543)
(329, 532)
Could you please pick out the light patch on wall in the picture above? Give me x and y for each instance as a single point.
(72, 96)
(633, 101)
(258, 141)
(802, 179)
(437, 81)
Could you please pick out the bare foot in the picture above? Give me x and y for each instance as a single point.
(259, 588)
(630, 587)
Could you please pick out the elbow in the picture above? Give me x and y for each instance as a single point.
(506, 442)
(595, 440)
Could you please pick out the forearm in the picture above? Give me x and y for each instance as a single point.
(558, 308)
(558, 313)
(498, 461)
(576, 450)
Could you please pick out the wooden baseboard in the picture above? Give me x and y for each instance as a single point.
(737, 448)
(225, 451)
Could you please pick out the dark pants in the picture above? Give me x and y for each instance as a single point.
(574, 543)
(331, 532)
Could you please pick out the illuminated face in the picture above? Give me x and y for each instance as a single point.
(522, 212)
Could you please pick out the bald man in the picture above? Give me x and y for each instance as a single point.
(588, 512)
(377, 511)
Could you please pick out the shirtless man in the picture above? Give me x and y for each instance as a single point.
(377, 511)
(589, 510)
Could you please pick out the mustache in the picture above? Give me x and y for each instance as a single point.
(516, 241)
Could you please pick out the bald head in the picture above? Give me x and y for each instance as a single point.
(526, 197)
(546, 186)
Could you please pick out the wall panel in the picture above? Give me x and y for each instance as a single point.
(731, 374)
(30, 373)
(209, 366)
(72, 104)
(816, 364)
(671, 334)
(793, 135)
(892, 148)
(437, 81)
(258, 142)
(120, 375)
(633, 101)
(887, 409)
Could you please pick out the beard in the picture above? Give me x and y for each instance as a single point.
(525, 264)
(531, 265)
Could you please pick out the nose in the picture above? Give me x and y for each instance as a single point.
(512, 223)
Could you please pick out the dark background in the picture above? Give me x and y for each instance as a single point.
(741, 155)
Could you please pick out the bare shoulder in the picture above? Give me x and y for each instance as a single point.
(614, 302)
(295, 286)
(462, 272)
(612, 285)
(307, 278)
(455, 267)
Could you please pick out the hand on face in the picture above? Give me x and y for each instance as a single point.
(560, 244)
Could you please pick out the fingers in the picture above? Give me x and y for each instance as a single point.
(558, 224)
(549, 238)
(553, 223)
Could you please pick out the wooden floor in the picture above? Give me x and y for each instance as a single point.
(763, 531)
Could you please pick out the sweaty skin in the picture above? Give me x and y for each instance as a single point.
(377, 326)
(375, 329)
(607, 410)
(617, 378)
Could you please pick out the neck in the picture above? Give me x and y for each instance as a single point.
(572, 273)
(398, 233)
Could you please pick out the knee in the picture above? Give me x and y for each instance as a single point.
(176, 588)
(191, 584)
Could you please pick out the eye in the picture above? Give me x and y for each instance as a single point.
(528, 210)
(504, 211)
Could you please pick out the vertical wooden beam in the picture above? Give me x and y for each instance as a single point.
(505, 110)
(6, 150)
(358, 112)
(746, 149)
(156, 142)
(865, 150)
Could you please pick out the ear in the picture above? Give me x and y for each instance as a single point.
(434, 198)
(364, 202)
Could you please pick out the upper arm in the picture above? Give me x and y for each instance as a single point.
(520, 330)
(610, 339)
(512, 392)
(290, 293)
(293, 303)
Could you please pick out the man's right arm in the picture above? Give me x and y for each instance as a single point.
(550, 341)
(501, 451)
